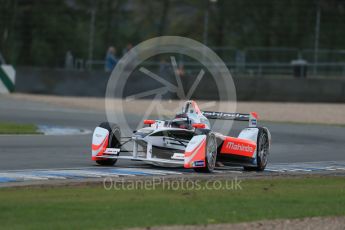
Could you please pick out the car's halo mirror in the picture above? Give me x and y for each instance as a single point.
(149, 122)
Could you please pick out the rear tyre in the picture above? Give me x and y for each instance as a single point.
(262, 151)
(114, 141)
(210, 156)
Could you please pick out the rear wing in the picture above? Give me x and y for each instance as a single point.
(250, 117)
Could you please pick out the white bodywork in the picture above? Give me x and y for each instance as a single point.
(252, 134)
(99, 136)
(249, 134)
(192, 146)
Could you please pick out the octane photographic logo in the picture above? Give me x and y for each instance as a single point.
(138, 89)
(183, 184)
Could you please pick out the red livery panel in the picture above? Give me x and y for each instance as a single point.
(236, 146)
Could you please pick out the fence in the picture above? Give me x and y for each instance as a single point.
(260, 61)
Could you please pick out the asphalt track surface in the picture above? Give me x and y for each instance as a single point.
(292, 143)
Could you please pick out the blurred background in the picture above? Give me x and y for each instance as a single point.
(63, 46)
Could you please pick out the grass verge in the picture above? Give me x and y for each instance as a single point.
(14, 128)
(93, 207)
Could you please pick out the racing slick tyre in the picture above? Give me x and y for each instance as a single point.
(114, 141)
(262, 151)
(210, 156)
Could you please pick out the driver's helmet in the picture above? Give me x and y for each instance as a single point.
(181, 121)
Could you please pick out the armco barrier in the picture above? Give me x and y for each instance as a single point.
(7, 79)
(93, 83)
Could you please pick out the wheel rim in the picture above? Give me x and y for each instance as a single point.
(263, 151)
(211, 152)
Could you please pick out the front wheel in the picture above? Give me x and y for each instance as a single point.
(210, 155)
(262, 151)
(106, 162)
(114, 141)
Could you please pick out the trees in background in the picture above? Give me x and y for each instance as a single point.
(39, 33)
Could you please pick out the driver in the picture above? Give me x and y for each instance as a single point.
(181, 121)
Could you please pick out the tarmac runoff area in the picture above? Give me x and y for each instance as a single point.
(309, 113)
(298, 149)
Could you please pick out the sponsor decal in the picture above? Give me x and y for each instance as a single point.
(178, 156)
(112, 151)
(225, 115)
(199, 164)
(239, 147)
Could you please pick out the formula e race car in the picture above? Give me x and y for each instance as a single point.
(187, 141)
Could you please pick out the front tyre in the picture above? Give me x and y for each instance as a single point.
(210, 155)
(262, 151)
(106, 162)
(114, 141)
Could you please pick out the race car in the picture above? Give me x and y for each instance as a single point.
(186, 141)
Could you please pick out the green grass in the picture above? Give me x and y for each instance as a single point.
(14, 128)
(96, 208)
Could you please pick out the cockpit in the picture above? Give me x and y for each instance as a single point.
(189, 115)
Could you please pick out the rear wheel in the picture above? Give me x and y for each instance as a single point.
(114, 141)
(211, 154)
(262, 151)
